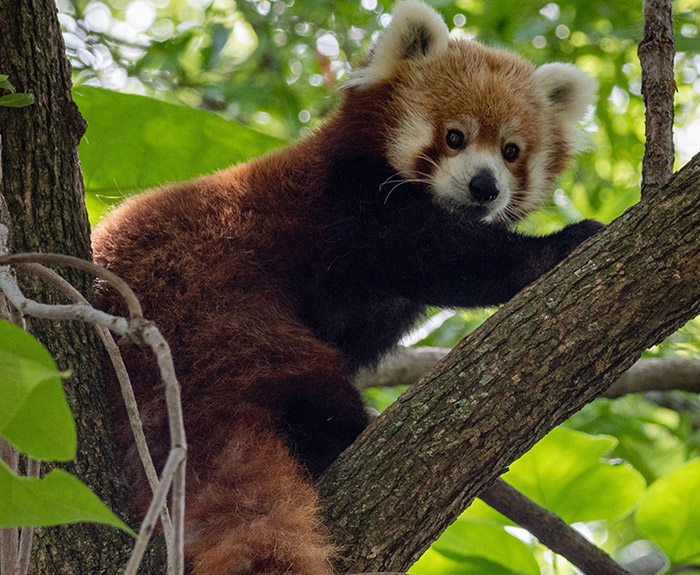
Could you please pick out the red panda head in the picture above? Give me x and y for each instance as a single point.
(487, 131)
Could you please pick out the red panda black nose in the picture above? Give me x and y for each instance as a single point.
(484, 187)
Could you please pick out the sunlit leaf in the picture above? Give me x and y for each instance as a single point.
(669, 514)
(435, 563)
(56, 499)
(133, 143)
(564, 473)
(479, 538)
(653, 439)
(5, 83)
(16, 100)
(34, 415)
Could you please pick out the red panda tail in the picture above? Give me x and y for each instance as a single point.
(255, 496)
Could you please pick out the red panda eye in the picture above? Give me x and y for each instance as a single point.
(511, 152)
(456, 140)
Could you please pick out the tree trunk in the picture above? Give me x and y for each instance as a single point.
(43, 187)
(557, 345)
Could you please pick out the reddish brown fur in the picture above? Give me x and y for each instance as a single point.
(214, 262)
(209, 260)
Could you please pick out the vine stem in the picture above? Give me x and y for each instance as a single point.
(141, 331)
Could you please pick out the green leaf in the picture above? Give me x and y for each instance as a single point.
(16, 100)
(56, 499)
(435, 563)
(34, 414)
(133, 143)
(669, 514)
(5, 84)
(479, 538)
(565, 474)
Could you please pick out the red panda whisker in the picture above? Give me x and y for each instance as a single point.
(390, 180)
(401, 183)
(402, 177)
(422, 174)
(428, 159)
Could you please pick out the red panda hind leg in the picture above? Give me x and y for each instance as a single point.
(256, 513)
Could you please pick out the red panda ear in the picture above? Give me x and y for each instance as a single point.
(567, 89)
(416, 32)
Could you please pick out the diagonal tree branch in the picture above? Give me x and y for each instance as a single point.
(558, 344)
(550, 529)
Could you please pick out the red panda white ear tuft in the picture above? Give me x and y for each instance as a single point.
(568, 90)
(416, 31)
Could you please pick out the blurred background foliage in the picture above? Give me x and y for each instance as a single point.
(274, 67)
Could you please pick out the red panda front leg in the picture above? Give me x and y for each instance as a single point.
(255, 512)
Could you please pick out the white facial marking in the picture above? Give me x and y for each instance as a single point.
(451, 179)
(539, 181)
(508, 131)
(413, 135)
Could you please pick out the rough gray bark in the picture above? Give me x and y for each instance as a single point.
(656, 52)
(558, 344)
(42, 185)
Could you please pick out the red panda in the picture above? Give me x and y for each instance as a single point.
(275, 280)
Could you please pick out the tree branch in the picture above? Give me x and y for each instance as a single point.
(407, 365)
(9, 537)
(127, 390)
(656, 52)
(558, 344)
(657, 374)
(142, 331)
(549, 529)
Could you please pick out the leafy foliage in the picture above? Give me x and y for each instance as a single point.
(669, 514)
(56, 499)
(134, 143)
(35, 418)
(13, 99)
(274, 65)
(479, 544)
(31, 392)
(564, 472)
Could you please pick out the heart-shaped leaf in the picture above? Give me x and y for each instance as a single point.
(34, 414)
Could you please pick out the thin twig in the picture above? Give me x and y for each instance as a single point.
(690, 567)
(27, 536)
(103, 273)
(178, 442)
(176, 457)
(78, 311)
(550, 529)
(9, 537)
(141, 331)
(127, 390)
(656, 52)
